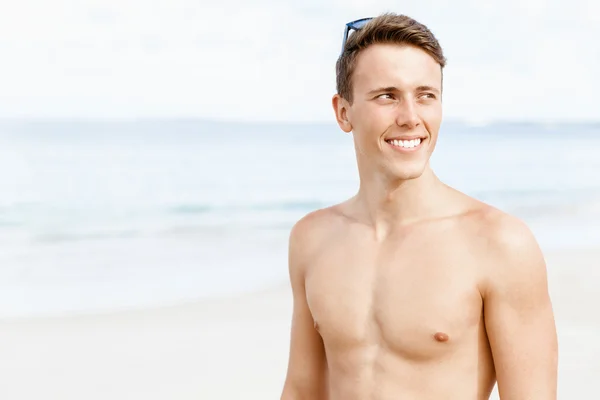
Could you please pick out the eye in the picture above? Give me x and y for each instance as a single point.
(383, 96)
(428, 95)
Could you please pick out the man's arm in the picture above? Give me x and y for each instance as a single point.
(307, 366)
(518, 315)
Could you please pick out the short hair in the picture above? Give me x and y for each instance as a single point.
(388, 28)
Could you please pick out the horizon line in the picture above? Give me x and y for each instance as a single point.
(134, 119)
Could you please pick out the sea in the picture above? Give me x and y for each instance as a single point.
(99, 216)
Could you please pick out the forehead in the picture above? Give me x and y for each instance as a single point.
(384, 65)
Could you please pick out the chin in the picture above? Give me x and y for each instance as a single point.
(407, 172)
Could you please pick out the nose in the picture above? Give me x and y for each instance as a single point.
(408, 116)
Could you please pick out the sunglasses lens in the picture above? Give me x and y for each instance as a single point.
(360, 23)
(354, 25)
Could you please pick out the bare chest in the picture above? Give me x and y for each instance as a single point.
(420, 302)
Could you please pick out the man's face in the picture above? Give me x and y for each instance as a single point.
(396, 111)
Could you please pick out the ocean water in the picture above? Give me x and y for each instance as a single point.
(98, 216)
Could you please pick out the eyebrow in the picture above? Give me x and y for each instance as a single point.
(421, 88)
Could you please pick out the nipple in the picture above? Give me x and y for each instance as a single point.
(316, 325)
(441, 337)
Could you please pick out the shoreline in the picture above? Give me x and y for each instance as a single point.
(553, 257)
(236, 346)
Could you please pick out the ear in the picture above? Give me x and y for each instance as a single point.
(340, 107)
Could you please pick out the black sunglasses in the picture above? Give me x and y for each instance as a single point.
(354, 25)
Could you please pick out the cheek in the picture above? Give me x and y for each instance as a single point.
(373, 121)
(432, 120)
(432, 115)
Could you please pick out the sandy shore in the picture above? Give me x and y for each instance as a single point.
(237, 348)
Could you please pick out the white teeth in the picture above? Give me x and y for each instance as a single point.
(407, 144)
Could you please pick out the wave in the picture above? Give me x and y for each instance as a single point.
(275, 206)
(57, 237)
(191, 209)
(170, 228)
(209, 220)
(9, 224)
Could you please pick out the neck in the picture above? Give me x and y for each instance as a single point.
(385, 203)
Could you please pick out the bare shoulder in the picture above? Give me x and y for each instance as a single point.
(510, 248)
(311, 233)
(311, 224)
(508, 236)
(503, 232)
(314, 227)
(519, 320)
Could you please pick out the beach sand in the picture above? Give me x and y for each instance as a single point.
(237, 348)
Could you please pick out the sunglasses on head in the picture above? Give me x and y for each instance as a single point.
(354, 25)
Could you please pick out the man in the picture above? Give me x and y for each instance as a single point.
(412, 289)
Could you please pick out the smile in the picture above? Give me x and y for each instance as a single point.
(405, 145)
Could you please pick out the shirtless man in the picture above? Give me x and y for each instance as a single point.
(412, 289)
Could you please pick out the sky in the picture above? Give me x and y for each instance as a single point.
(274, 60)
